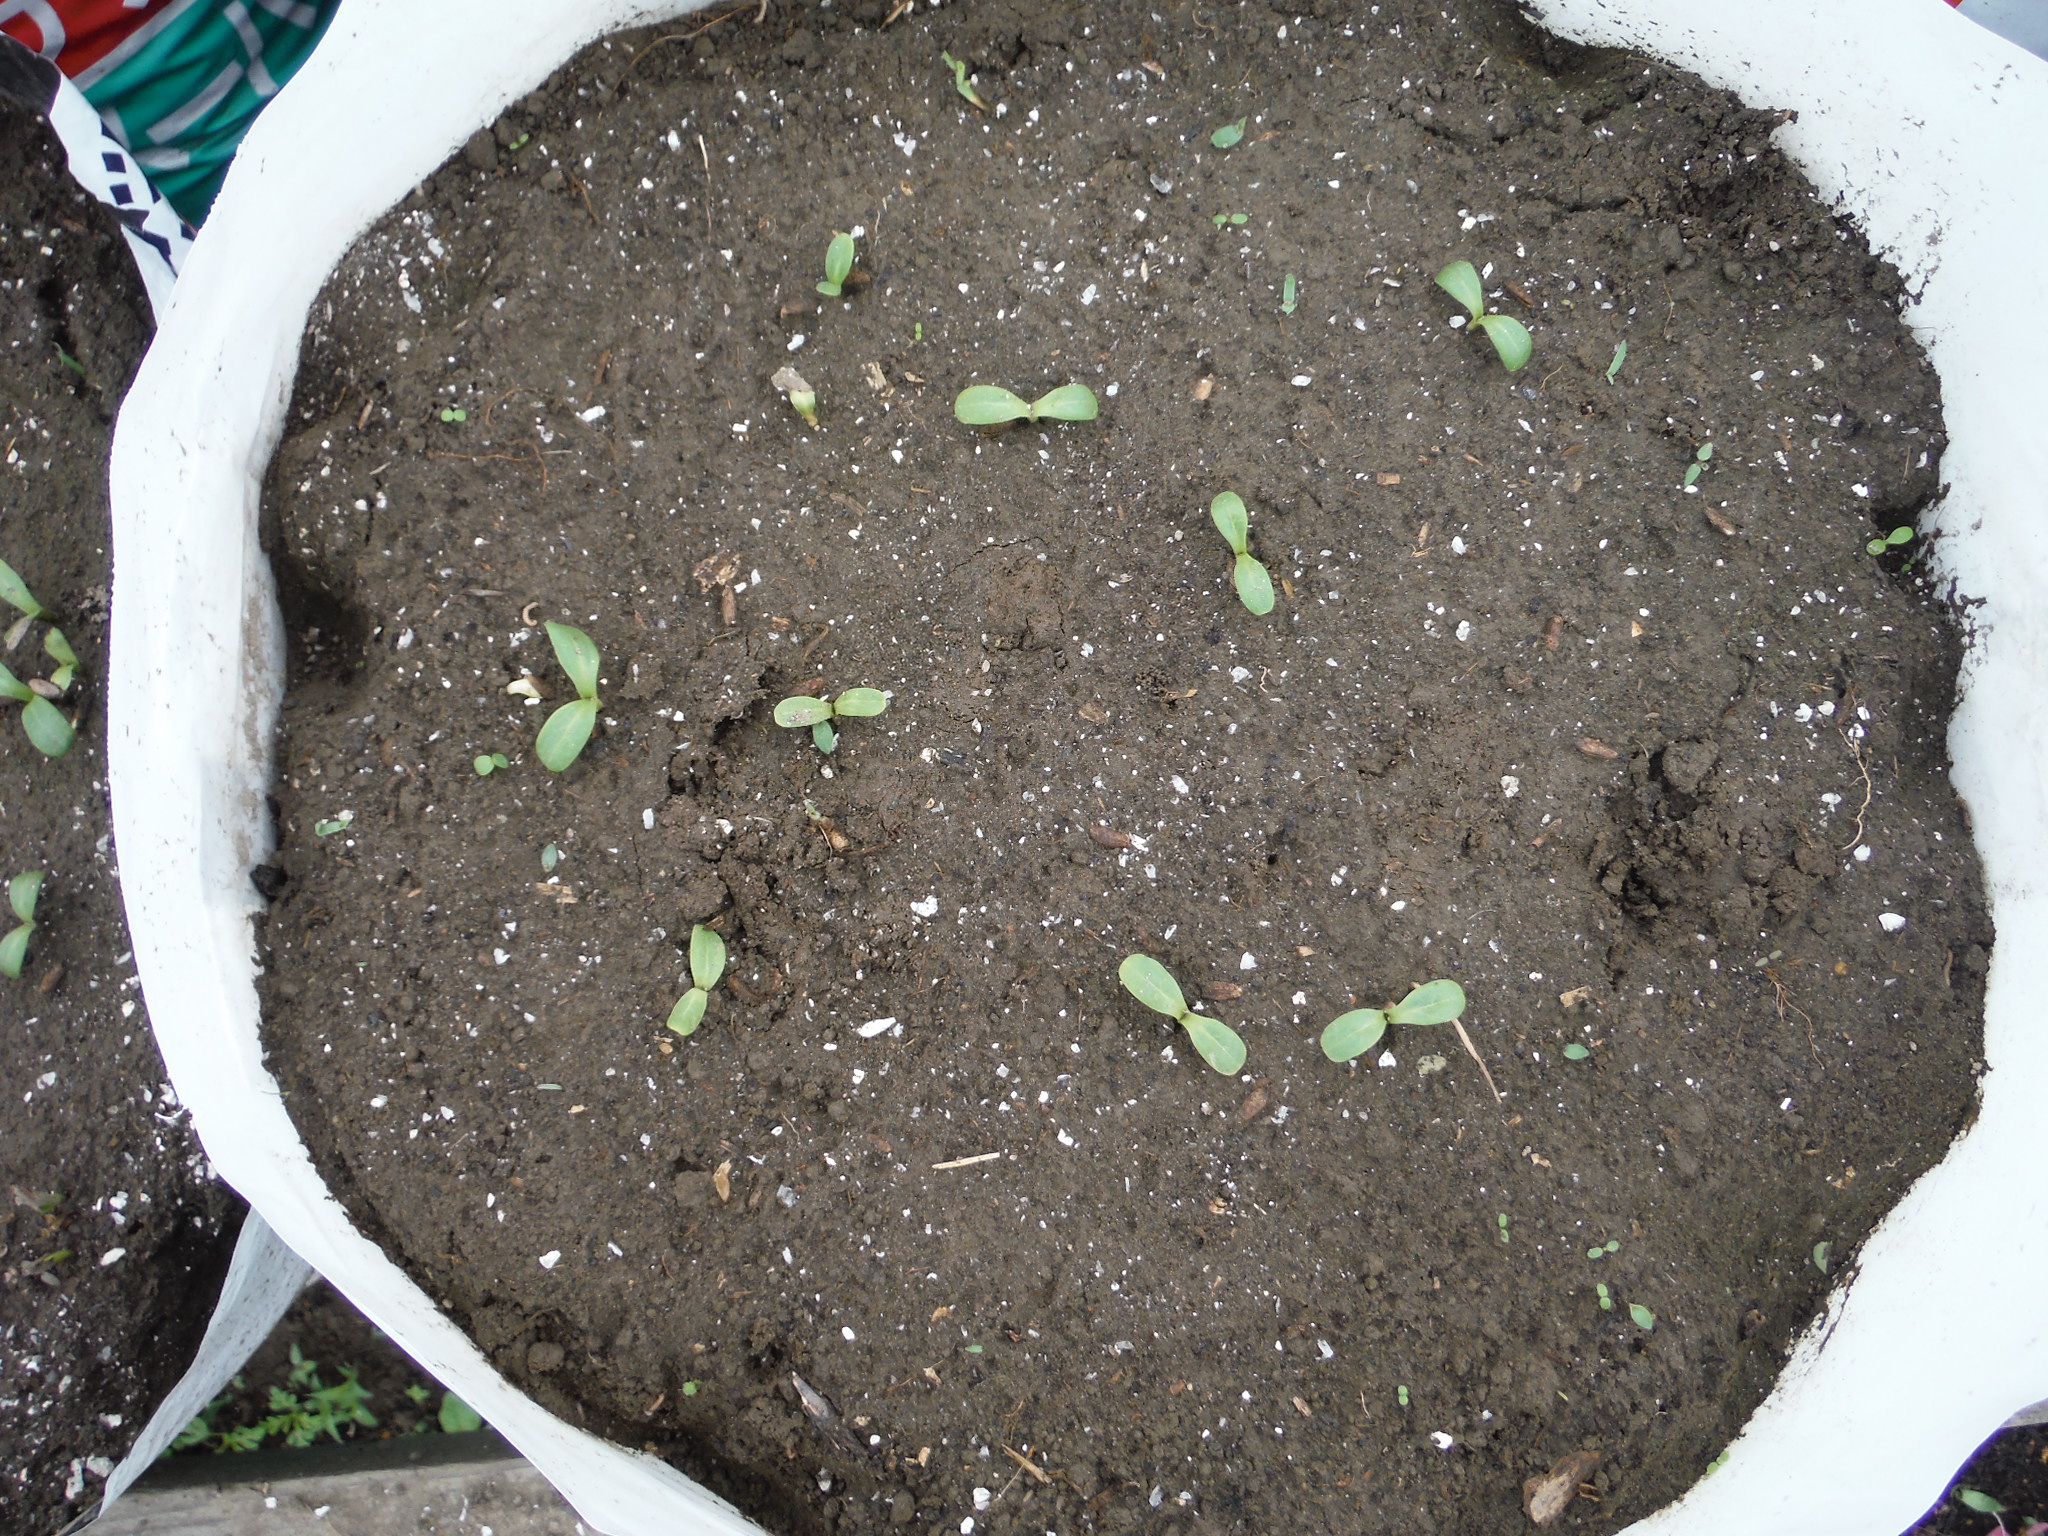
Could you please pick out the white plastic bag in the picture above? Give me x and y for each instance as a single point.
(1927, 127)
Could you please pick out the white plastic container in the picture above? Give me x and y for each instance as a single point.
(1924, 126)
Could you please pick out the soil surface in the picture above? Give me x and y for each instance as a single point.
(97, 1160)
(929, 1222)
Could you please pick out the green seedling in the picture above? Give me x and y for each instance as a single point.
(1891, 540)
(1503, 1226)
(984, 405)
(1821, 1253)
(14, 591)
(1606, 1298)
(819, 714)
(1287, 295)
(1620, 357)
(59, 650)
(1642, 1316)
(562, 739)
(1221, 219)
(802, 398)
(487, 764)
(1576, 1052)
(1509, 336)
(454, 413)
(71, 362)
(1701, 457)
(960, 82)
(1254, 586)
(418, 1393)
(1981, 1502)
(550, 856)
(1153, 985)
(838, 264)
(1601, 1252)
(692, 1388)
(457, 1417)
(1401, 1396)
(1353, 1034)
(707, 964)
(917, 332)
(22, 892)
(48, 731)
(1230, 135)
(518, 144)
(338, 823)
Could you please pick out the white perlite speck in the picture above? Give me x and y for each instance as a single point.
(1890, 922)
(874, 1027)
(551, 1258)
(1510, 786)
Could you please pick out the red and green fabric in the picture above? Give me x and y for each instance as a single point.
(177, 82)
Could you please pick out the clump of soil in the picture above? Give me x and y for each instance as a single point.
(1651, 769)
(114, 1234)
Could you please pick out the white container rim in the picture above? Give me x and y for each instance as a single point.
(1924, 127)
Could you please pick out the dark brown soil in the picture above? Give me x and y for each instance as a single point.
(96, 1156)
(1640, 767)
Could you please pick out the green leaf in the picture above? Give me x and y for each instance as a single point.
(984, 405)
(577, 653)
(823, 737)
(1351, 1035)
(1461, 281)
(1219, 1044)
(1692, 473)
(15, 591)
(1706, 452)
(968, 92)
(1254, 586)
(14, 950)
(47, 728)
(1620, 357)
(562, 739)
(1899, 536)
(838, 264)
(707, 957)
(1876, 547)
(691, 1388)
(1232, 521)
(1644, 1318)
(1821, 1251)
(1576, 1052)
(860, 702)
(688, 1012)
(1239, 218)
(1287, 295)
(1434, 1002)
(1070, 402)
(483, 763)
(1510, 339)
(1153, 985)
(1229, 135)
(22, 892)
(12, 687)
(60, 649)
(550, 856)
(457, 1417)
(801, 710)
(1983, 1503)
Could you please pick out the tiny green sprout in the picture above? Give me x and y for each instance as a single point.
(1509, 336)
(1254, 585)
(419, 1393)
(1230, 134)
(984, 405)
(1606, 1299)
(1821, 1253)
(707, 964)
(59, 651)
(1620, 357)
(818, 714)
(457, 1417)
(337, 823)
(1287, 295)
(1401, 1395)
(71, 362)
(1642, 1316)
(1891, 540)
(1701, 456)
(692, 1388)
(974, 1349)
(838, 264)
(1981, 1502)
(1153, 985)
(1600, 1251)
(1716, 1464)
(15, 593)
(917, 331)
(519, 143)
(802, 398)
(22, 892)
(550, 856)
(562, 738)
(1353, 1034)
(489, 763)
(453, 413)
(48, 731)
(1576, 1052)
(1221, 219)
(1503, 1226)
(960, 83)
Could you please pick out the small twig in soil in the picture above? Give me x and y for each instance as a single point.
(707, 184)
(1023, 1461)
(1862, 767)
(1473, 1051)
(583, 192)
(509, 458)
(816, 640)
(900, 8)
(1784, 1001)
(964, 1162)
(682, 37)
